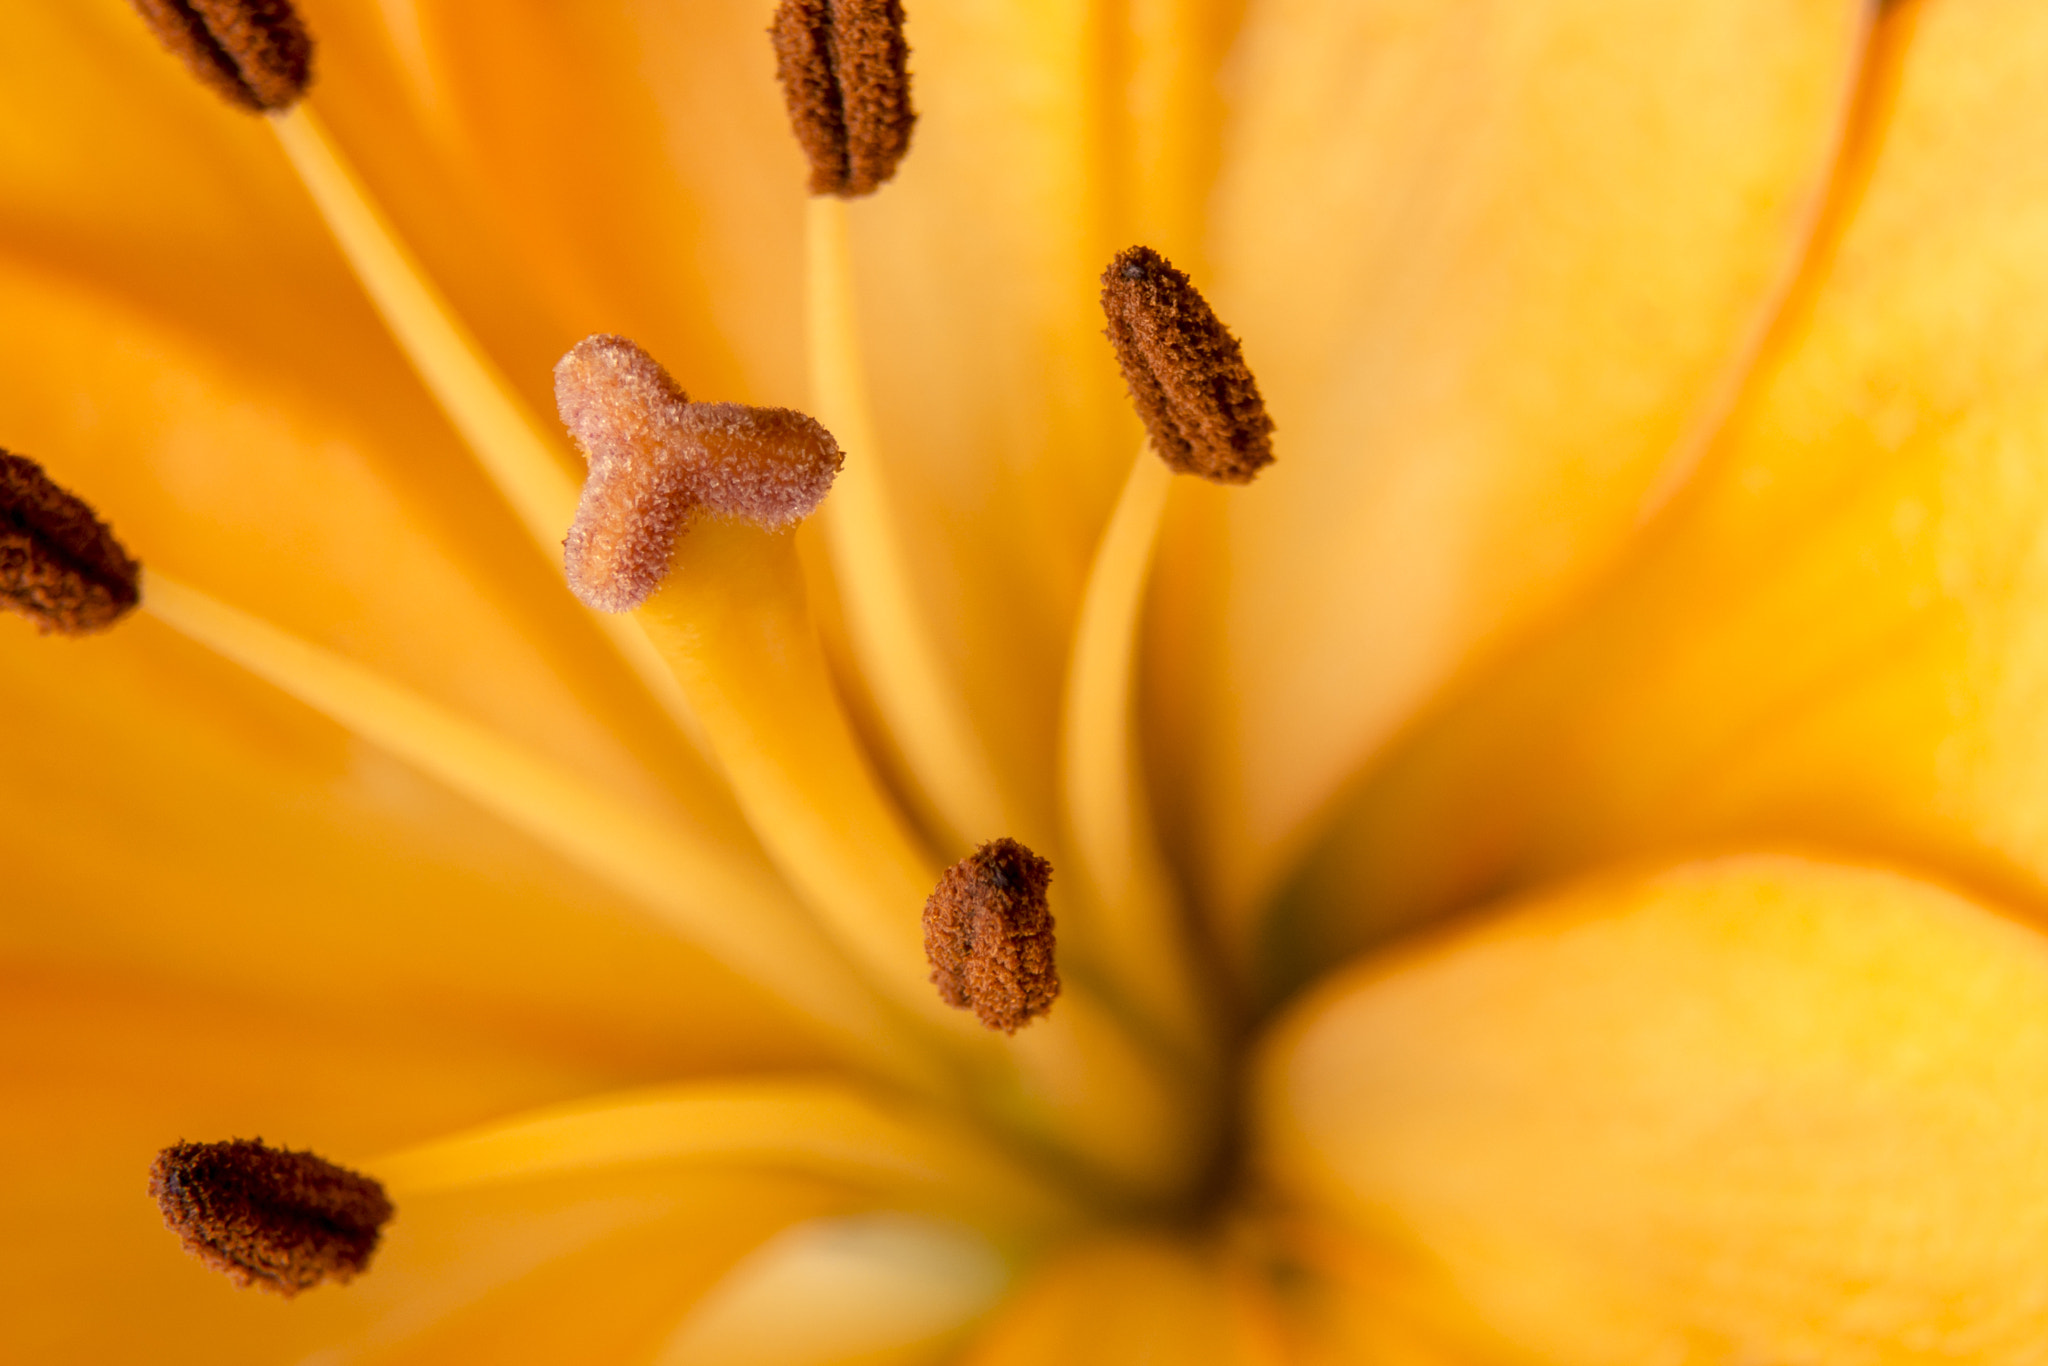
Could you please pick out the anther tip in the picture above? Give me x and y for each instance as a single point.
(255, 54)
(60, 565)
(844, 69)
(988, 933)
(1185, 373)
(266, 1217)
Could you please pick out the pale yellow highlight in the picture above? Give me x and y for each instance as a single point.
(888, 630)
(820, 1128)
(516, 450)
(736, 912)
(1128, 918)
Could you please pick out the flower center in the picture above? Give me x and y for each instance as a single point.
(1119, 1084)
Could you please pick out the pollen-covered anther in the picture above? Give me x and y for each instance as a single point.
(59, 564)
(844, 68)
(1185, 372)
(656, 459)
(989, 935)
(253, 53)
(278, 1220)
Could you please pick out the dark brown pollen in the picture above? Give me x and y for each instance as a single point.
(59, 564)
(253, 53)
(844, 68)
(1185, 372)
(988, 933)
(262, 1216)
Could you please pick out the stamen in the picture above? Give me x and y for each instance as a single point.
(891, 636)
(1129, 925)
(1186, 373)
(708, 892)
(59, 564)
(511, 444)
(253, 53)
(843, 65)
(655, 458)
(988, 933)
(268, 1217)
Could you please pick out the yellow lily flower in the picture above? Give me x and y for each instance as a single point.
(1578, 901)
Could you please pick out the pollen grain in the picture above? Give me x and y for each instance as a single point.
(988, 933)
(1185, 372)
(267, 1217)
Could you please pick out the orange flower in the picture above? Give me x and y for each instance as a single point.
(1595, 768)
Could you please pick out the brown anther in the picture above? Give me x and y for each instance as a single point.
(656, 459)
(263, 1216)
(59, 564)
(988, 934)
(253, 53)
(844, 68)
(1185, 372)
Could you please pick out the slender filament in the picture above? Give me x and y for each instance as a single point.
(736, 911)
(886, 627)
(733, 621)
(519, 454)
(818, 1127)
(1132, 927)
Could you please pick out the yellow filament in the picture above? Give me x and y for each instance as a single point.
(518, 453)
(817, 1127)
(733, 621)
(887, 629)
(1129, 922)
(736, 911)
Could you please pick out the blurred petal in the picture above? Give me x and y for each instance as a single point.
(1003, 430)
(878, 1289)
(600, 167)
(1121, 1301)
(1841, 636)
(96, 1075)
(1756, 1109)
(1496, 267)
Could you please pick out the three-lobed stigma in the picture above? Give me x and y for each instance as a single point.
(253, 53)
(267, 1217)
(1186, 374)
(656, 459)
(845, 73)
(60, 565)
(988, 934)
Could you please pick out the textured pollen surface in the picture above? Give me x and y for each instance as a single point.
(1186, 373)
(254, 53)
(656, 459)
(989, 935)
(262, 1216)
(769, 466)
(845, 73)
(59, 564)
(631, 422)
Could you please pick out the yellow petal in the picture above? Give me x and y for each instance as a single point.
(599, 167)
(876, 1290)
(1125, 1300)
(98, 1073)
(1754, 1109)
(1495, 267)
(997, 405)
(1841, 636)
(585, 1272)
